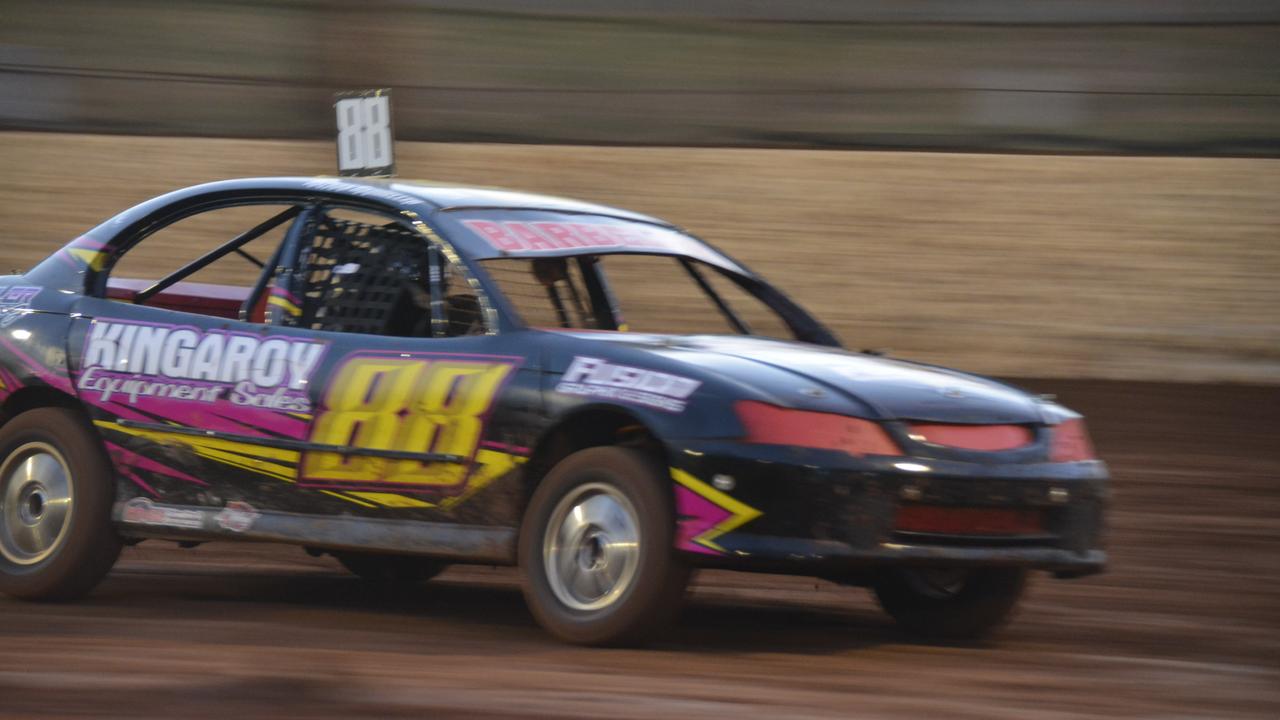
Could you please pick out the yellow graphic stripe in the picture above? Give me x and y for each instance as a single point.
(357, 501)
(95, 259)
(284, 304)
(243, 455)
(490, 465)
(740, 512)
(392, 500)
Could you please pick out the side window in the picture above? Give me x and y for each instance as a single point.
(175, 245)
(200, 262)
(361, 273)
(546, 294)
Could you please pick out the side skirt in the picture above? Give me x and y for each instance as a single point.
(141, 517)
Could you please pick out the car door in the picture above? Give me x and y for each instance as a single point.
(420, 406)
(196, 407)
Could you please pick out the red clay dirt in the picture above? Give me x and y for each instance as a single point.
(1185, 624)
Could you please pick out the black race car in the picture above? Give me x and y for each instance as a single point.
(410, 375)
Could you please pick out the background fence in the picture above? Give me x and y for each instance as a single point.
(1165, 76)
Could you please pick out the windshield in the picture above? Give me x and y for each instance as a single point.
(634, 292)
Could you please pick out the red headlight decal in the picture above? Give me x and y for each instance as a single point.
(1071, 442)
(771, 425)
(974, 437)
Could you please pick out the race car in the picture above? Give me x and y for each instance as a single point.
(407, 375)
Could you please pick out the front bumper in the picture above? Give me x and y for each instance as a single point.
(823, 512)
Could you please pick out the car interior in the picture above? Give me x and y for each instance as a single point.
(333, 270)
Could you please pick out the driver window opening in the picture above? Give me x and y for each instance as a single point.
(204, 264)
(329, 269)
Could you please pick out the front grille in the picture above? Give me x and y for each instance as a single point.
(944, 520)
(917, 538)
(951, 525)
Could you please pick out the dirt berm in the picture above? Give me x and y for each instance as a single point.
(1022, 265)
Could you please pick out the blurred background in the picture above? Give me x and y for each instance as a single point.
(1096, 75)
(1082, 195)
(1105, 205)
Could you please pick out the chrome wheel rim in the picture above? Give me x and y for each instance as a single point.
(35, 503)
(591, 549)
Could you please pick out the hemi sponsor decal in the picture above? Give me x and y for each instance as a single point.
(137, 360)
(594, 377)
(142, 511)
(237, 516)
(15, 300)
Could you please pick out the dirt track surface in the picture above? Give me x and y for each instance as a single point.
(1183, 626)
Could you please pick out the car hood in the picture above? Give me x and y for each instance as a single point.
(835, 380)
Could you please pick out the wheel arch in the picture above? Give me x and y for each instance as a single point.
(587, 427)
(30, 398)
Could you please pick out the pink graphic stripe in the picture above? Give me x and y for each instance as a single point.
(513, 449)
(697, 515)
(126, 458)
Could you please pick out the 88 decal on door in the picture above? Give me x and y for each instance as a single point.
(420, 404)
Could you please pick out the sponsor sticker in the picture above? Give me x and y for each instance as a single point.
(532, 237)
(237, 516)
(596, 377)
(14, 301)
(142, 511)
(128, 361)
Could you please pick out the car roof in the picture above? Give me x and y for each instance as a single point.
(456, 197)
(446, 197)
(418, 196)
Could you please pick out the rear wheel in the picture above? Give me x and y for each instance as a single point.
(951, 603)
(390, 569)
(56, 537)
(597, 549)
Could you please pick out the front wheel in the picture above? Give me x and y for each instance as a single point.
(56, 537)
(597, 549)
(950, 603)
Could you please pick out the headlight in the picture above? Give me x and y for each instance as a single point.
(771, 425)
(1070, 442)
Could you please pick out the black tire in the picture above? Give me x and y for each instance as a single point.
(646, 594)
(969, 605)
(390, 569)
(52, 466)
